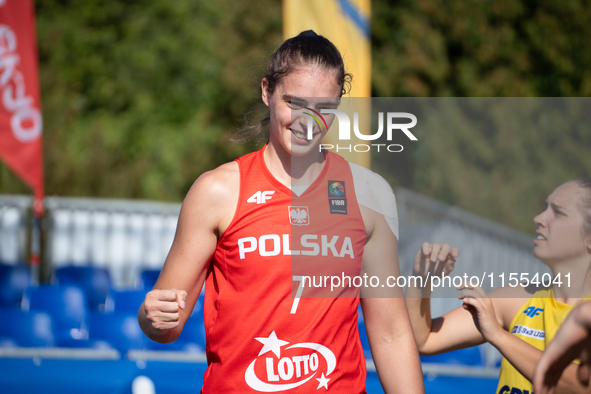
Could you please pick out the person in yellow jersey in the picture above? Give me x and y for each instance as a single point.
(518, 321)
(573, 340)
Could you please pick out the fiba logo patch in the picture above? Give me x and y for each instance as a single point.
(337, 197)
(279, 367)
(336, 189)
(299, 216)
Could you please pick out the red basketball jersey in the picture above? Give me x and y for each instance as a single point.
(260, 337)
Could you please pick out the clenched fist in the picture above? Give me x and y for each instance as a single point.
(162, 308)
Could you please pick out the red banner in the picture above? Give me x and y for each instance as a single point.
(21, 123)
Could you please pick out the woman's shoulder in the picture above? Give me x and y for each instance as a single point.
(215, 189)
(219, 180)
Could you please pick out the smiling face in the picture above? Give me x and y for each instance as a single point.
(288, 102)
(559, 228)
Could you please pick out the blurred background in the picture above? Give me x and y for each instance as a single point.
(141, 97)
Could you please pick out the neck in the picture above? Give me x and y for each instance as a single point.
(576, 280)
(293, 170)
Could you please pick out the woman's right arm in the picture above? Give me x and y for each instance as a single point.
(206, 212)
(455, 329)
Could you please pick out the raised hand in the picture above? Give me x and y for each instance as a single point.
(483, 312)
(435, 259)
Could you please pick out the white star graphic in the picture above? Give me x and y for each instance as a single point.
(271, 344)
(322, 382)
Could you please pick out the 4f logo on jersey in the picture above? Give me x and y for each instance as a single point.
(299, 216)
(261, 197)
(533, 311)
(276, 369)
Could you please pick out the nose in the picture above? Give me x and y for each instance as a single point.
(539, 220)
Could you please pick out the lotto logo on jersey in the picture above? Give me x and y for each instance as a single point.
(299, 216)
(279, 367)
(261, 197)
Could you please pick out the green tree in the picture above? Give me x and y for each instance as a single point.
(139, 96)
(505, 163)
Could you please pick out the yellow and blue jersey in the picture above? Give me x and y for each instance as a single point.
(536, 323)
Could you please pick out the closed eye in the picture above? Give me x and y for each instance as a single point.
(293, 102)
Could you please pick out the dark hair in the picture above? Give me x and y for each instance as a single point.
(307, 48)
(584, 201)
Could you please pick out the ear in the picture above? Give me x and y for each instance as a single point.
(265, 88)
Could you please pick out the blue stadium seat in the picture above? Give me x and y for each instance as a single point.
(13, 282)
(148, 279)
(194, 332)
(68, 308)
(127, 301)
(364, 340)
(8, 343)
(27, 329)
(120, 330)
(363, 333)
(469, 356)
(95, 282)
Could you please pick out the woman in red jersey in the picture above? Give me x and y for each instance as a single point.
(516, 319)
(242, 226)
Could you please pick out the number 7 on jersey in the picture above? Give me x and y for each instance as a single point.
(296, 300)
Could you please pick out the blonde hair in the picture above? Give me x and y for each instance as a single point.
(584, 202)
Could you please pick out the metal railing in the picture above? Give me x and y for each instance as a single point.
(127, 236)
(13, 228)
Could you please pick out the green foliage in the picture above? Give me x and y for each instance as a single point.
(480, 48)
(504, 164)
(139, 95)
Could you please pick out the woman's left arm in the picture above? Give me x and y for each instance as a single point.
(388, 327)
(519, 353)
(392, 343)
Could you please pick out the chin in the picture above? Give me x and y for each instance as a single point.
(540, 256)
(303, 150)
(300, 151)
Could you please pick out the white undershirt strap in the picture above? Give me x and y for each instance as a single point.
(373, 192)
(298, 190)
